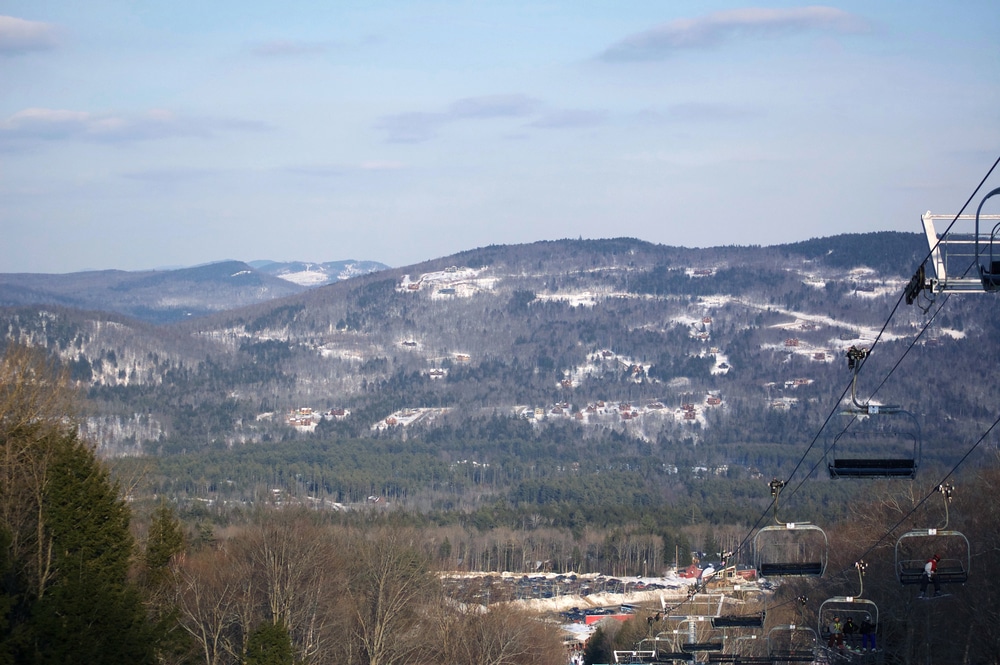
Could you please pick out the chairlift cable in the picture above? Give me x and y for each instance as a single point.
(924, 500)
(834, 410)
(972, 196)
(877, 339)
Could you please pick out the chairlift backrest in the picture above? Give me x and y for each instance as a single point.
(791, 550)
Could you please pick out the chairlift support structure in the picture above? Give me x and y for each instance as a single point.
(790, 549)
(871, 460)
(964, 261)
(956, 561)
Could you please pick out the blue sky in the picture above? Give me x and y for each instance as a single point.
(137, 134)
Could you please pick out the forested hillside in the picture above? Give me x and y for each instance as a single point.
(95, 571)
(573, 407)
(508, 372)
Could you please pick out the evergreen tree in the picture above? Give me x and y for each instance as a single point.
(269, 644)
(90, 612)
(165, 539)
(65, 544)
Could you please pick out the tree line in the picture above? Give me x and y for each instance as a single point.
(83, 583)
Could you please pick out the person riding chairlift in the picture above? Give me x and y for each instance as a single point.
(930, 576)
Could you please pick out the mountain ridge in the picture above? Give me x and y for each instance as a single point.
(165, 296)
(550, 325)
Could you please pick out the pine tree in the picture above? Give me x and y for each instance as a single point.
(65, 545)
(91, 612)
(269, 644)
(165, 539)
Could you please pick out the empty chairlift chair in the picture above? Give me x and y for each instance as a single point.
(752, 610)
(959, 253)
(881, 441)
(792, 644)
(790, 549)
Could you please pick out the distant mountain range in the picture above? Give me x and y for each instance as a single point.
(721, 347)
(164, 296)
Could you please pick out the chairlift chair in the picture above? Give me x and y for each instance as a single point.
(792, 644)
(988, 263)
(883, 440)
(846, 606)
(789, 549)
(964, 249)
(885, 444)
(670, 653)
(913, 548)
(635, 656)
(737, 655)
(751, 619)
(698, 641)
(855, 606)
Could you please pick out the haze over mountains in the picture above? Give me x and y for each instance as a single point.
(163, 296)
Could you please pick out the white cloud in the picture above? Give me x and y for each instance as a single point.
(41, 124)
(494, 106)
(719, 27)
(415, 127)
(20, 36)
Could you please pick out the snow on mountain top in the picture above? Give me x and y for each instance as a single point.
(307, 277)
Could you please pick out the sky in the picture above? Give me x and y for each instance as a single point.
(138, 135)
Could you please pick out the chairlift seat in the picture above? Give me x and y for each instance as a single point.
(990, 277)
(947, 573)
(738, 620)
(791, 569)
(691, 647)
(873, 468)
(793, 656)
